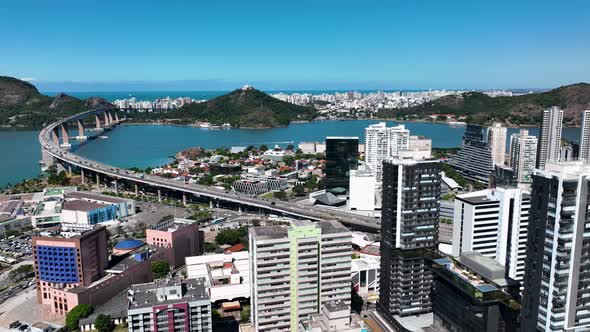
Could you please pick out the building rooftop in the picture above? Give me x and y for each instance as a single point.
(79, 205)
(68, 232)
(165, 291)
(93, 196)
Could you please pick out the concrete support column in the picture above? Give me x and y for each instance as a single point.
(136, 190)
(97, 181)
(106, 119)
(69, 169)
(55, 136)
(116, 118)
(116, 187)
(64, 134)
(80, 129)
(159, 195)
(82, 178)
(97, 119)
(184, 199)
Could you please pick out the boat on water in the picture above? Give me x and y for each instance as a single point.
(457, 123)
(103, 137)
(204, 125)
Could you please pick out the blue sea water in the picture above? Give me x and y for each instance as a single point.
(152, 145)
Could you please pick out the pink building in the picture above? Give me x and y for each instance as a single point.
(181, 234)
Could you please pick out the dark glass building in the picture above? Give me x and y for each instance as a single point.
(472, 294)
(474, 160)
(341, 157)
(409, 233)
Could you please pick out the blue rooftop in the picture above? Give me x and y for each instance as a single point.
(129, 244)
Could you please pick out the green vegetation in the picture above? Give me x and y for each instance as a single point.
(240, 108)
(73, 316)
(104, 323)
(21, 105)
(445, 221)
(356, 302)
(54, 178)
(298, 190)
(452, 173)
(281, 194)
(231, 236)
(160, 269)
(245, 314)
(448, 197)
(20, 272)
(210, 247)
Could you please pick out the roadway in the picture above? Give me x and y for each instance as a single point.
(288, 208)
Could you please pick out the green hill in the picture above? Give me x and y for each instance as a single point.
(249, 108)
(514, 110)
(21, 105)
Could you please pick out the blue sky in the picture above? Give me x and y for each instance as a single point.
(322, 44)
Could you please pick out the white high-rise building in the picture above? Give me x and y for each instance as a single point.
(494, 223)
(364, 194)
(296, 269)
(585, 137)
(382, 142)
(497, 143)
(549, 144)
(556, 295)
(523, 155)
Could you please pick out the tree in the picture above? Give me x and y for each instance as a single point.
(160, 269)
(263, 147)
(298, 190)
(74, 315)
(245, 314)
(20, 272)
(356, 302)
(104, 323)
(230, 236)
(288, 160)
(290, 147)
(281, 194)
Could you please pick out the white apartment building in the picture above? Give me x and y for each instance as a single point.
(585, 137)
(556, 294)
(549, 144)
(382, 142)
(296, 269)
(497, 143)
(523, 155)
(364, 194)
(494, 223)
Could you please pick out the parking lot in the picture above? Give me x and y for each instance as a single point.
(15, 249)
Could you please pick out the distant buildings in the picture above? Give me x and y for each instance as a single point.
(556, 294)
(549, 143)
(296, 270)
(341, 157)
(494, 223)
(170, 304)
(409, 224)
(497, 143)
(523, 155)
(472, 293)
(585, 137)
(474, 160)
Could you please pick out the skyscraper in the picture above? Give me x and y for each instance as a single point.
(549, 143)
(382, 142)
(493, 222)
(474, 160)
(585, 137)
(556, 294)
(295, 270)
(341, 157)
(523, 155)
(409, 224)
(497, 143)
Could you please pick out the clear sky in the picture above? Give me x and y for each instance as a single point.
(108, 45)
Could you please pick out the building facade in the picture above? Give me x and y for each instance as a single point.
(494, 223)
(170, 304)
(585, 137)
(295, 270)
(556, 294)
(363, 189)
(409, 231)
(523, 155)
(182, 235)
(382, 142)
(497, 143)
(549, 143)
(474, 160)
(341, 157)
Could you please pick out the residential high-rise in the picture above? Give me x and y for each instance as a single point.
(556, 294)
(523, 155)
(382, 142)
(170, 304)
(295, 270)
(497, 143)
(474, 160)
(549, 136)
(585, 137)
(341, 157)
(493, 222)
(363, 189)
(409, 228)
(472, 293)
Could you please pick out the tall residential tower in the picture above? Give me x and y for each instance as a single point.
(382, 142)
(497, 143)
(523, 155)
(549, 143)
(585, 137)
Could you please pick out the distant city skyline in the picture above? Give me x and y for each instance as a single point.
(77, 46)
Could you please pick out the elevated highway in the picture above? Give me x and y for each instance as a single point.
(52, 151)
